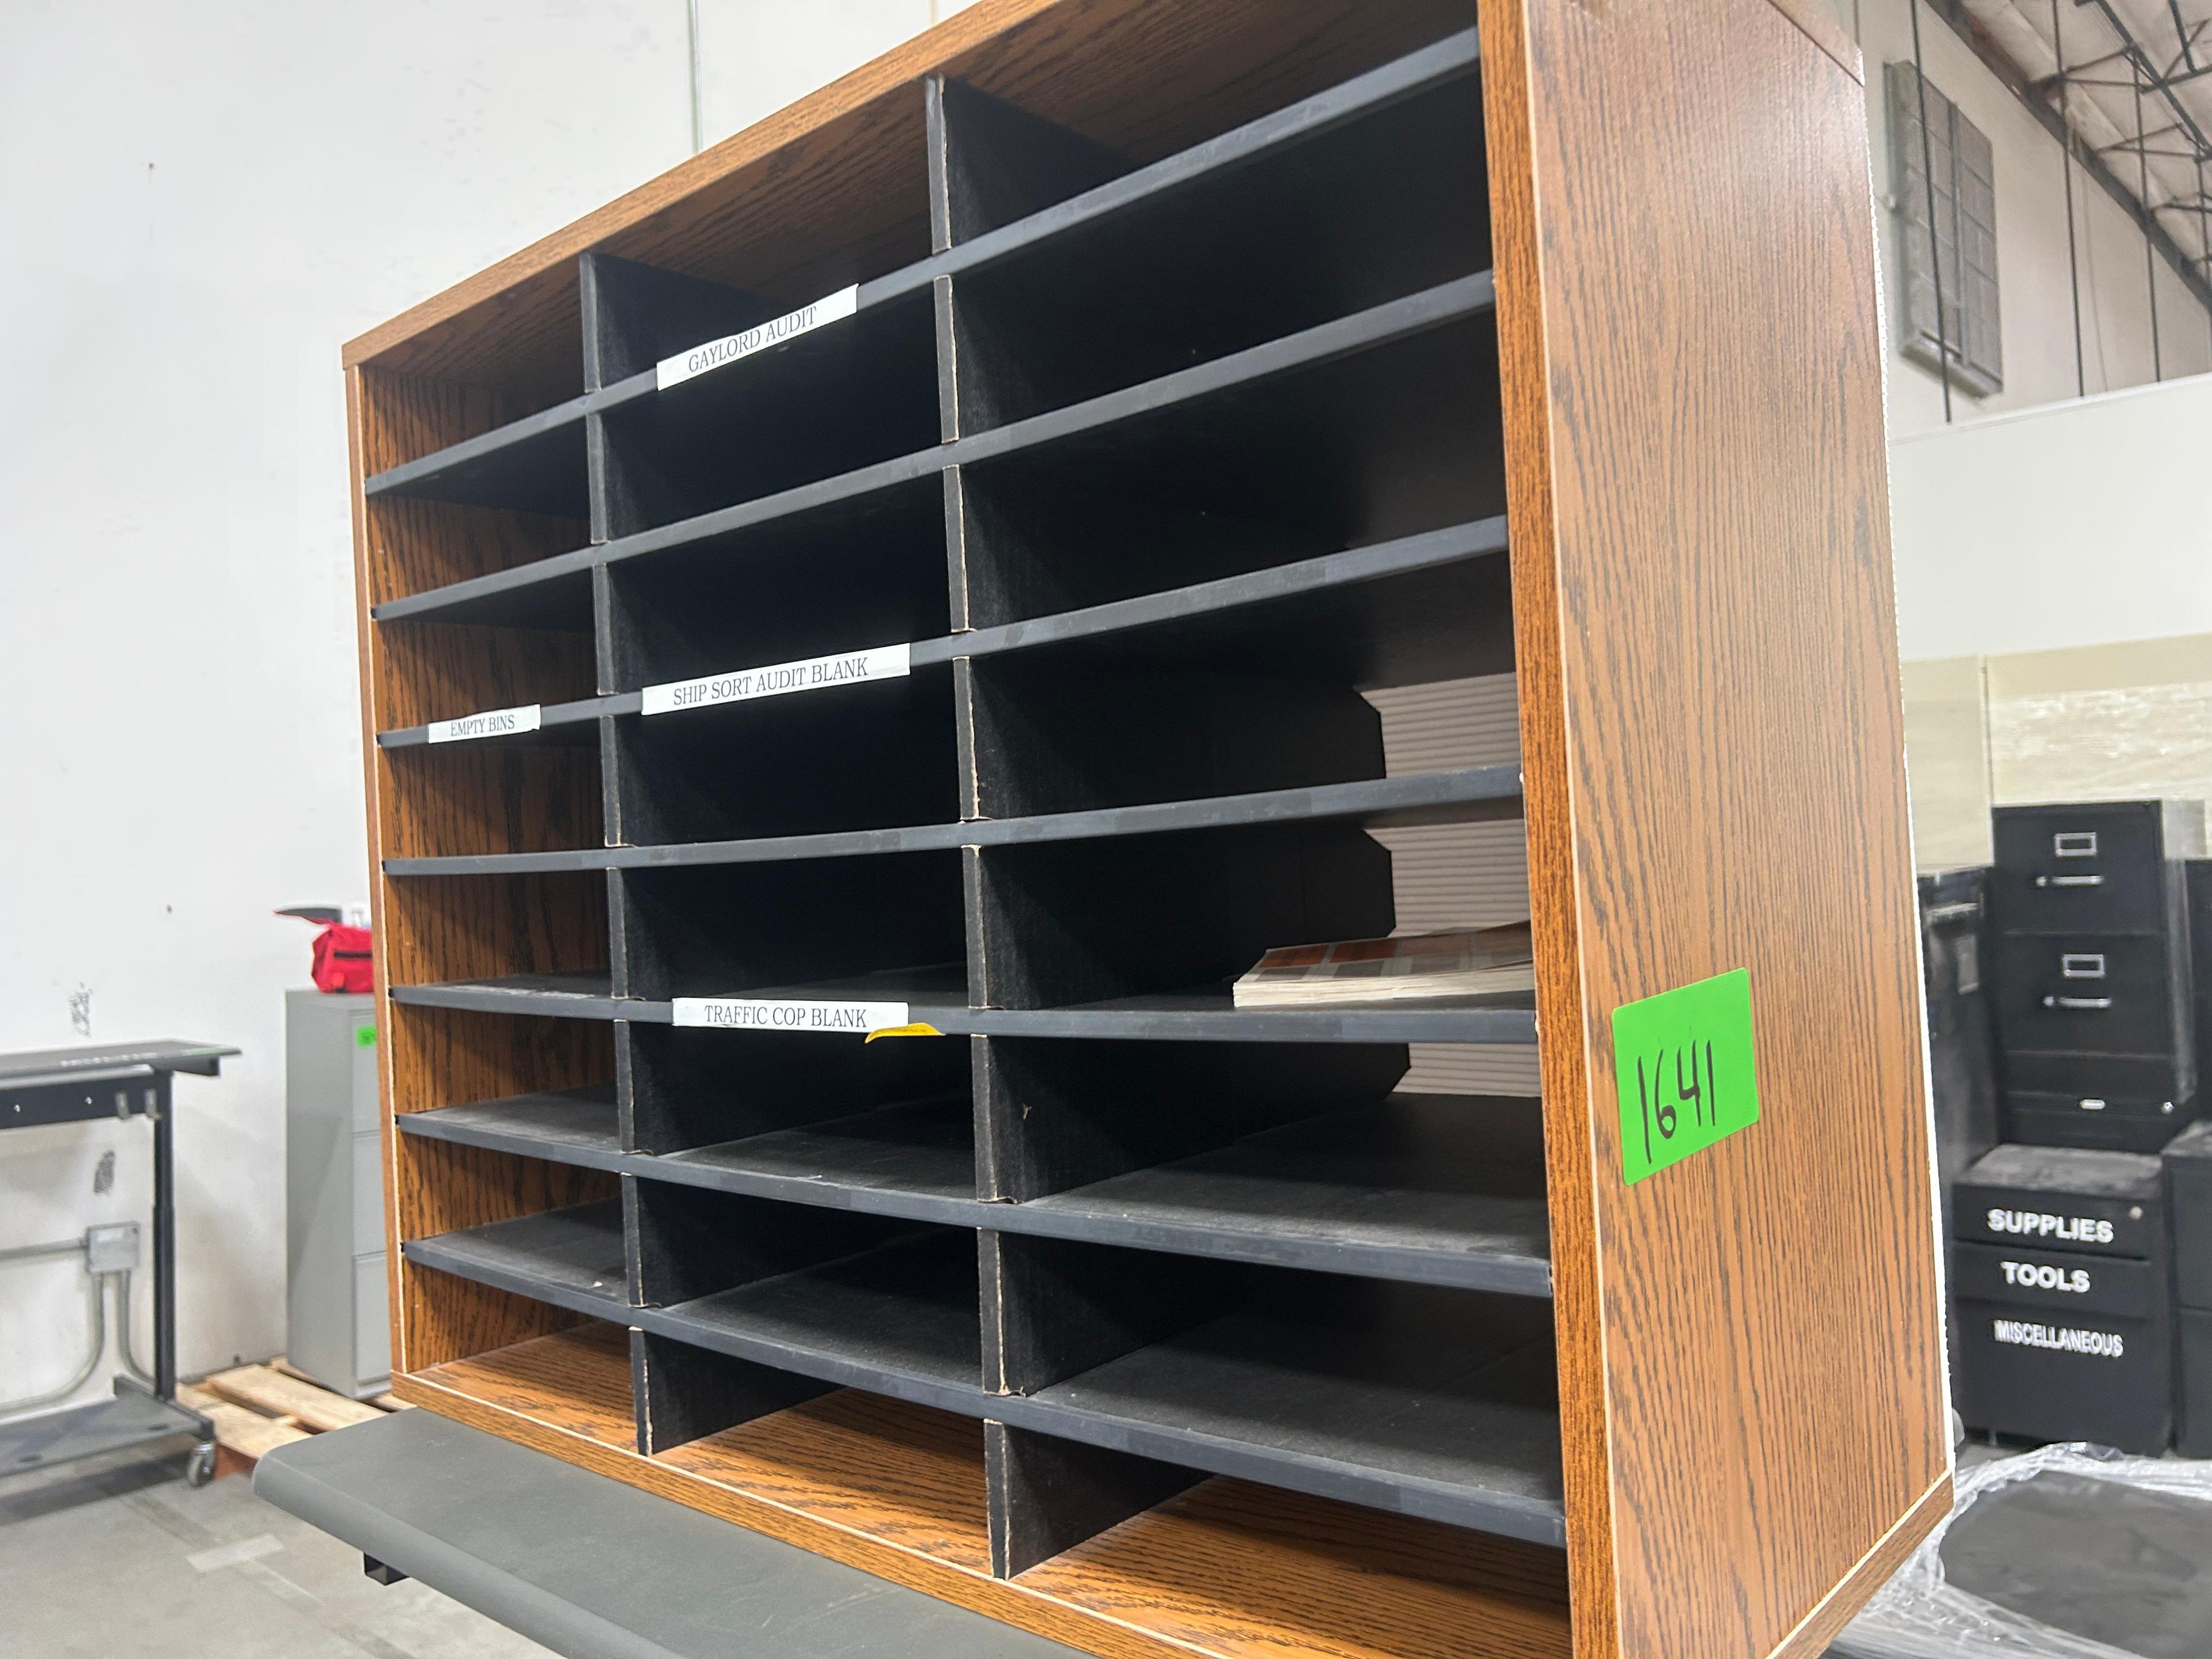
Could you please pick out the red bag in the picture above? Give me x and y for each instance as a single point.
(343, 960)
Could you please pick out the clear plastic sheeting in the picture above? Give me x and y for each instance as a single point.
(2068, 1552)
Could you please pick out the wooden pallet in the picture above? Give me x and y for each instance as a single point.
(257, 1408)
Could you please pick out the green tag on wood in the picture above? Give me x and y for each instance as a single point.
(364, 1036)
(1683, 1063)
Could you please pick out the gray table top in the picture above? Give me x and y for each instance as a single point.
(594, 1569)
(156, 1055)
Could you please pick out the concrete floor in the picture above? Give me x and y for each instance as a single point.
(117, 1558)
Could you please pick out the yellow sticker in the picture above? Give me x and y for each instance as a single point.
(916, 1029)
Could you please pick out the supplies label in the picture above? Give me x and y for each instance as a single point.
(492, 723)
(688, 365)
(748, 1014)
(888, 662)
(1684, 1070)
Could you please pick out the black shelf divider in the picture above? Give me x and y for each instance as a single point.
(574, 1258)
(1206, 1015)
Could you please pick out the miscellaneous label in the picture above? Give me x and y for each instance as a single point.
(888, 662)
(916, 1029)
(1684, 1071)
(2024, 1334)
(2034, 1223)
(748, 1014)
(364, 1036)
(492, 723)
(686, 365)
(2040, 1276)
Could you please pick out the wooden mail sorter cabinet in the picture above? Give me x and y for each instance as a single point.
(1083, 419)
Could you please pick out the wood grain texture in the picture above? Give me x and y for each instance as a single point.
(438, 1186)
(1712, 743)
(576, 1380)
(436, 670)
(832, 188)
(1825, 30)
(451, 1056)
(440, 1317)
(422, 544)
(498, 797)
(907, 1475)
(1237, 1570)
(1227, 1571)
(447, 927)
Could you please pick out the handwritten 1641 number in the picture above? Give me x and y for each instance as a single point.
(1676, 1080)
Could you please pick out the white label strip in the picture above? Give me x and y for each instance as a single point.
(745, 1014)
(830, 308)
(888, 662)
(492, 723)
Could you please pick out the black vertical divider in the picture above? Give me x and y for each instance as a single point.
(990, 164)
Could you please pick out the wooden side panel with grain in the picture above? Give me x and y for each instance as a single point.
(487, 798)
(1751, 1365)
(1227, 1571)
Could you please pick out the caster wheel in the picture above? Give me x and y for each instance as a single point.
(199, 1467)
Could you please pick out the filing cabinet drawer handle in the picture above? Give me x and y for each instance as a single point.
(2069, 881)
(2077, 1002)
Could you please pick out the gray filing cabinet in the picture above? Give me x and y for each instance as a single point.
(336, 1290)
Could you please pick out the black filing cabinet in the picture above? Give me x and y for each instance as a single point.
(2064, 1307)
(2188, 1190)
(2091, 975)
(1962, 1044)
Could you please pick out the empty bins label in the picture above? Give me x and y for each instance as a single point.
(492, 723)
(888, 662)
(1684, 1071)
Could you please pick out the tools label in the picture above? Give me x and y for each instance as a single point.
(888, 662)
(492, 723)
(748, 1014)
(1684, 1072)
(687, 365)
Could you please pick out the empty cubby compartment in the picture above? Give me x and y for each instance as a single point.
(882, 927)
(443, 671)
(539, 793)
(841, 397)
(485, 381)
(876, 755)
(1068, 923)
(753, 1100)
(1058, 1114)
(1397, 439)
(830, 1293)
(1293, 1155)
(416, 547)
(865, 571)
(1266, 696)
(541, 931)
(1439, 1400)
(1383, 205)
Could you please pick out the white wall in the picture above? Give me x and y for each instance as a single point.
(2035, 298)
(2082, 523)
(201, 203)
